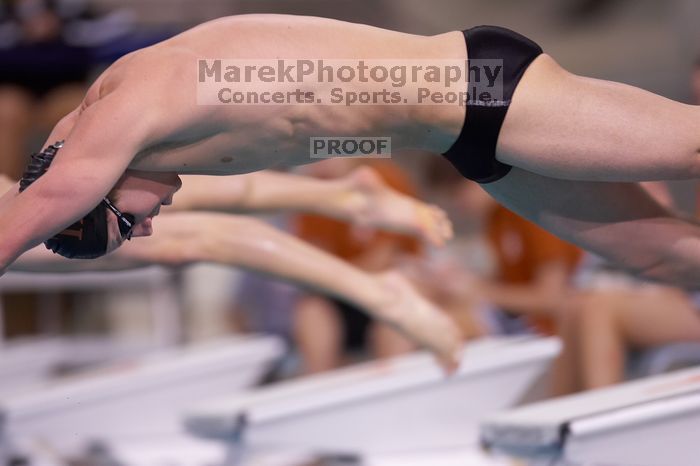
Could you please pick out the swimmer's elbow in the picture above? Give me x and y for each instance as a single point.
(195, 247)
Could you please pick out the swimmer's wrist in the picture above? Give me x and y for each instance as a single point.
(346, 203)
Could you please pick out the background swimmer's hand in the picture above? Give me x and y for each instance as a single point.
(422, 321)
(371, 202)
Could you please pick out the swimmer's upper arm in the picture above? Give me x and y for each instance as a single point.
(618, 221)
(97, 151)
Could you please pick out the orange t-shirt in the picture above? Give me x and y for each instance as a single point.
(337, 237)
(521, 248)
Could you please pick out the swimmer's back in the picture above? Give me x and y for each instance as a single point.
(185, 137)
(290, 36)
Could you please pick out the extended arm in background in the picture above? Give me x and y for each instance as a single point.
(361, 197)
(185, 238)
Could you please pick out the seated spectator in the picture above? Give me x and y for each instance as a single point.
(47, 54)
(614, 315)
(326, 329)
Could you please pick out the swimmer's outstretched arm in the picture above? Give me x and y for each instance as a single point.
(100, 142)
(360, 197)
(619, 221)
(188, 237)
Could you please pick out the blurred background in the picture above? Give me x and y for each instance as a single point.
(500, 276)
(50, 51)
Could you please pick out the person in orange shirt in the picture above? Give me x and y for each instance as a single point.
(534, 269)
(323, 326)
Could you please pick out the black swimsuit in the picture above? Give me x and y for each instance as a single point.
(474, 152)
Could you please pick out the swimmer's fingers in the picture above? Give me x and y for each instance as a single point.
(452, 363)
(450, 359)
(435, 225)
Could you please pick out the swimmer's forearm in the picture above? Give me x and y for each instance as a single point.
(266, 191)
(50, 205)
(254, 245)
(285, 191)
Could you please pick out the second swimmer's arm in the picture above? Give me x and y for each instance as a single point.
(266, 191)
(185, 238)
(619, 221)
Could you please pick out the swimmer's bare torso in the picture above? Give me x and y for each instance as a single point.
(563, 134)
(185, 137)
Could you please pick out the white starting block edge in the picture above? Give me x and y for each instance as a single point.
(225, 419)
(457, 456)
(27, 354)
(543, 429)
(160, 281)
(154, 371)
(28, 362)
(84, 281)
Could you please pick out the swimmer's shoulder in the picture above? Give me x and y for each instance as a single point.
(148, 85)
(144, 74)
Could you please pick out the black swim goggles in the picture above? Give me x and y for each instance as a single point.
(126, 221)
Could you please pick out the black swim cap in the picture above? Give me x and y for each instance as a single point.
(86, 238)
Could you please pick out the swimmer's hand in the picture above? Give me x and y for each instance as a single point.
(371, 202)
(422, 322)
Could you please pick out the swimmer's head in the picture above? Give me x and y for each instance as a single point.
(126, 212)
(141, 194)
